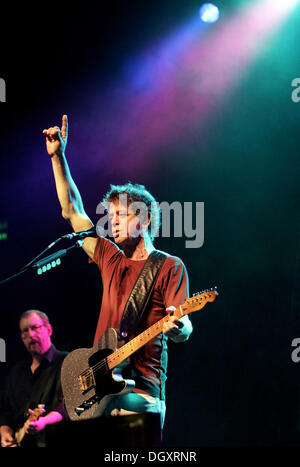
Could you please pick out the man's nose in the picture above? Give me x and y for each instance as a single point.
(115, 221)
(31, 332)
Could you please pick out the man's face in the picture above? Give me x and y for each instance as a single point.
(125, 224)
(35, 334)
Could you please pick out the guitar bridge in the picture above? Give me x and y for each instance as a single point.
(86, 381)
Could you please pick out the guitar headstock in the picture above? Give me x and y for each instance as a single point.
(199, 300)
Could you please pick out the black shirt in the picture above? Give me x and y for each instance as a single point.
(25, 389)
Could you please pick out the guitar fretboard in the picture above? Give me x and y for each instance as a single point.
(137, 342)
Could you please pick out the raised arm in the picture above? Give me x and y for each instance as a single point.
(67, 191)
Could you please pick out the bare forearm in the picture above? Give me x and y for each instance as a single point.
(33, 426)
(67, 191)
(53, 417)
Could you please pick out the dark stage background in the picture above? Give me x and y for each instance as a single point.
(224, 132)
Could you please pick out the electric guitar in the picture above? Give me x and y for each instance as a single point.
(20, 433)
(88, 376)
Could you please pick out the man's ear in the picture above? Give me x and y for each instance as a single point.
(50, 329)
(146, 222)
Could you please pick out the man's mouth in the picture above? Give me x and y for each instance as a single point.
(120, 233)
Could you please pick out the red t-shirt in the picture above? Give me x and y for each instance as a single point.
(148, 365)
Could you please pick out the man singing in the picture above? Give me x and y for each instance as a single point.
(120, 262)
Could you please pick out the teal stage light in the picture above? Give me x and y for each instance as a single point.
(48, 266)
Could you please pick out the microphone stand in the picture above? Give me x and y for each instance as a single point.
(34, 263)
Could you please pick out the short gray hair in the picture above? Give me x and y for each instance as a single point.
(41, 314)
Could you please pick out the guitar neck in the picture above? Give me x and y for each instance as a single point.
(20, 434)
(139, 341)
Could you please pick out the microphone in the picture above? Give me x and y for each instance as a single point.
(83, 234)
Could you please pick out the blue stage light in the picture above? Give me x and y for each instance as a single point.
(209, 13)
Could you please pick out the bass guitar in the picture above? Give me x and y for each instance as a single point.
(88, 376)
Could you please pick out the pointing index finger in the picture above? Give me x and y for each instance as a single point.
(64, 127)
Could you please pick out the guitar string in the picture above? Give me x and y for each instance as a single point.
(156, 326)
(103, 363)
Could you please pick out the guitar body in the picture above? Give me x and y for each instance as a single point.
(107, 384)
(87, 375)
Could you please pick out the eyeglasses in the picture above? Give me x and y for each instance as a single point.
(25, 331)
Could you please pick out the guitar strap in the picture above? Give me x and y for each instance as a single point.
(140, 294)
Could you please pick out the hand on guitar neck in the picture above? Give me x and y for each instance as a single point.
(10, 440)
(30, 426)
(178, 330)
(35, 421)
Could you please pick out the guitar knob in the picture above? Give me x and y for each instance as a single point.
(79, 410)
